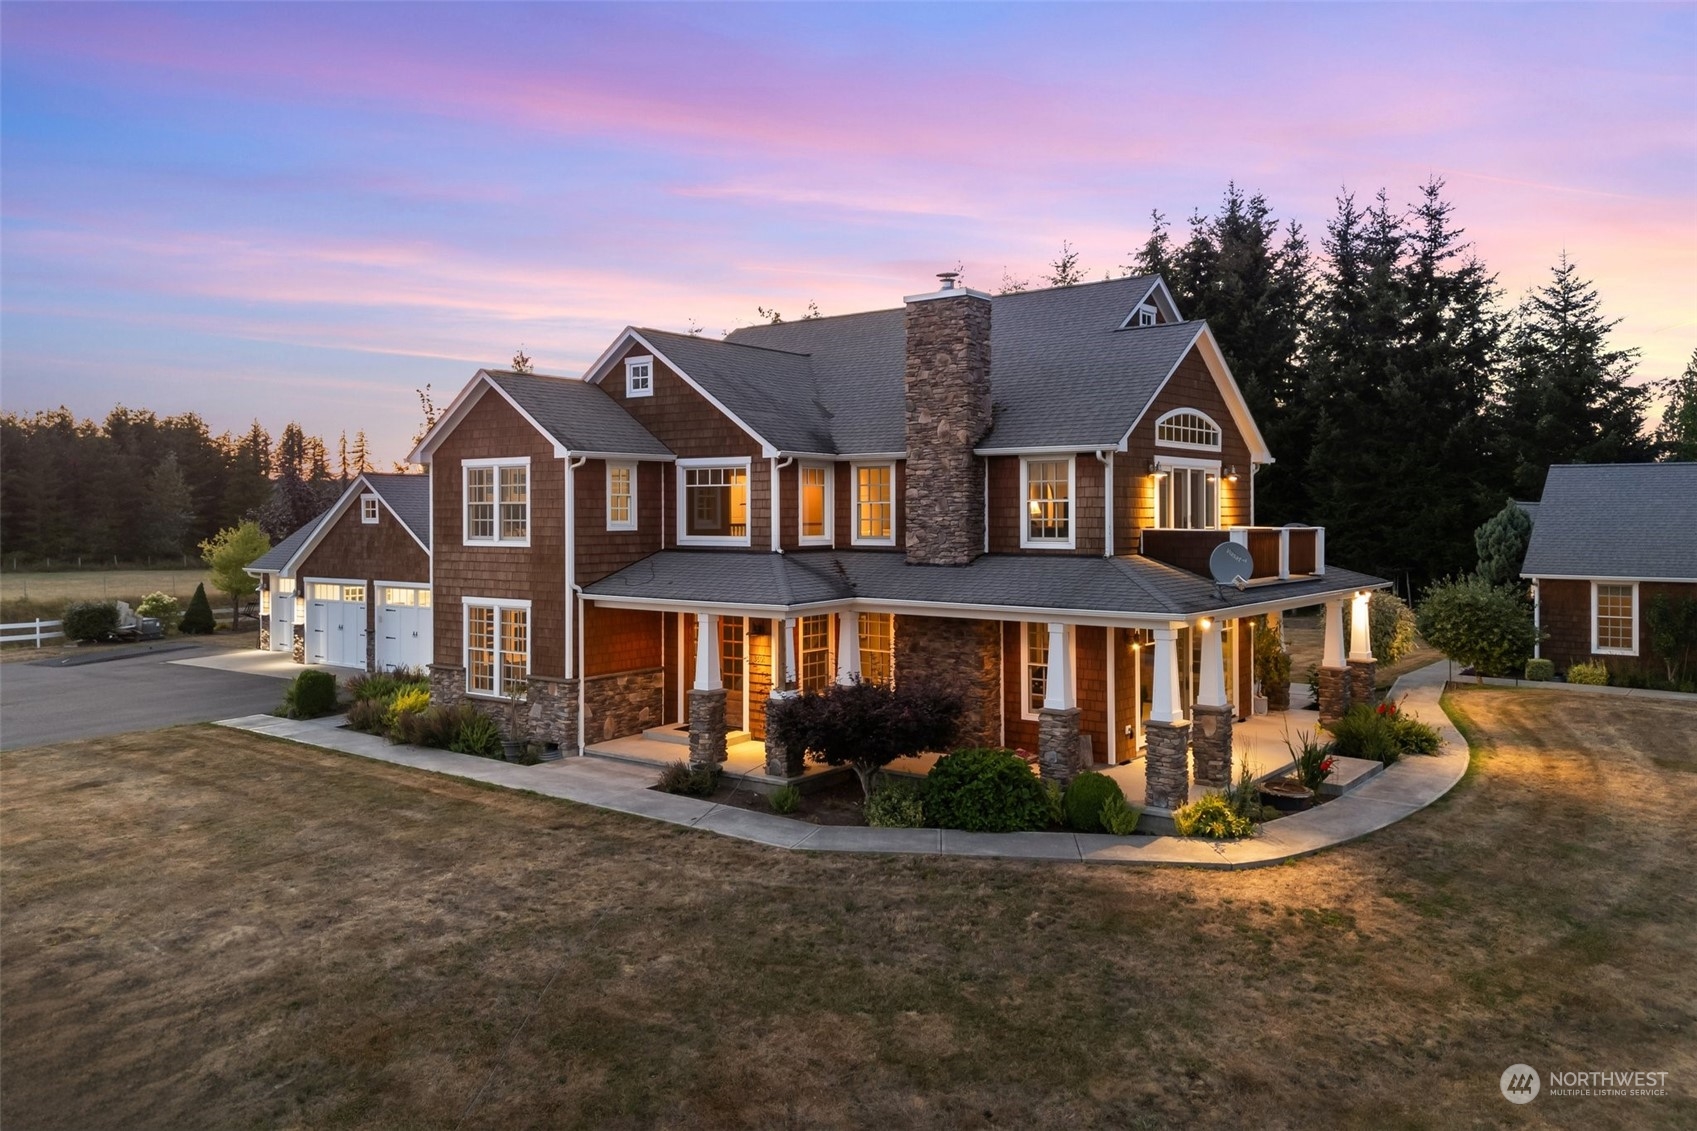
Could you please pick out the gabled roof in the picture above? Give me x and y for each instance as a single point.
(1132, 586)
(580, 419)
(1616, 520)
(772, 392)
(407, 497)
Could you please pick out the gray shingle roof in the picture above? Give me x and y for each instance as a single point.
(1530, 509)
(278, 556)
(409, 497)
(1132, 585)
(580, 416)
(1062, 371)
(1636, 520)
(771, 390)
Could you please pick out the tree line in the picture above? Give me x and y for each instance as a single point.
(137, 487)
(1404, 399)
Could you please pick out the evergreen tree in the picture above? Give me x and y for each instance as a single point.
(1677, 434)
(342, 457)
(197, 619)
(361, 453)
(248, 483)
(1566, 397)
(1501, 542)
(1065, 271)
(169, 509)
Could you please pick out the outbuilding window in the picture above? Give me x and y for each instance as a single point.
(1614, 617)
(639, 376)
(368, 509)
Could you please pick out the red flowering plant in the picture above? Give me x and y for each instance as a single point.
(1313, 760)
(1387, 710)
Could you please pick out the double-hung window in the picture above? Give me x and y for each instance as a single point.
(875, 504)
(497, 502)
(621, 496)
(877, 647)
(814, 670)
(639, 376)
(497, 646)
(715, 503)
(815, 492)
(1614, 617)
(1048, 490)
(1036, 667)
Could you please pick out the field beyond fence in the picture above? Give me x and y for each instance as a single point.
(24, 596)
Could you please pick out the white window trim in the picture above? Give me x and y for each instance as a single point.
(369, 509)
(854, 504)
(1026, 541)
(631, 363)
(1145, 315)
(496, 603)
(687, 539)
(1165, 416)
(1025, 711)
(829, 536)
(496, 462)
(1595, 650)
(1171, 462)
(631, 467)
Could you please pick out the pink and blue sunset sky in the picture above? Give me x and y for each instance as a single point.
(305, 211)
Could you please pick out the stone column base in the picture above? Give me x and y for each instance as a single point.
(298, 649)
(1166, 765)
(1334, 693)
(1057, 745)
(1211, 744)
(265, 638)
(1363, 674)
(781, 761)
(707, 727)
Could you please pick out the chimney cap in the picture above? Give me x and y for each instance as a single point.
(950, 280)
(948, 286)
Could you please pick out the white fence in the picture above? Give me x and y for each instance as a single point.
(36, 630)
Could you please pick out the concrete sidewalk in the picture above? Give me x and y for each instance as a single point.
(1400, 790)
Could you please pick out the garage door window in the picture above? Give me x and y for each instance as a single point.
(497, 648)
(404, 597)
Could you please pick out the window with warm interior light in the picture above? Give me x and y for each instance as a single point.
(621, 496)
(1187, 497)
(1048, 501)
(1036, 667)
(715, 503)
(874, 503)
(814, 670)
(497, 646)
(732, 652)
(877, 647)
(815, 480)
(497, 502)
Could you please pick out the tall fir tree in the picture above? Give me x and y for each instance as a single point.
(168, 511)
(1566, 394)
(1676, 435)
(361, 455)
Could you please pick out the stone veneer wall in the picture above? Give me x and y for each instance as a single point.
(948, 412)
(1334, 694)
(299, 648)
(1211, 744)
(623, 704)
(963, 656)
(549, 711)
(706, 727)
(265, 634)
(1057, 745)
(1363, 675)
(1166, 765)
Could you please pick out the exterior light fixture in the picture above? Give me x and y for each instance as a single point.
(1156, 470)
(1205, 623)
(1231, 474)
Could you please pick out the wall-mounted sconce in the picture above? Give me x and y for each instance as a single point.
(1231, 474)
(1156, 470)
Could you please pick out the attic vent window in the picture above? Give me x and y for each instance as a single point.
(1187, 428)
(1143, 316)
(368, 509)
(639, 376)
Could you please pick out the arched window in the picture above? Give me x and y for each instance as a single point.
(1188, 428)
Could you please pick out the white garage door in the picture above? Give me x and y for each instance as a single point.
(282, 614)
(403, 627)
(335, 624)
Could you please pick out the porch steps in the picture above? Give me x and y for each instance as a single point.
(678, 734)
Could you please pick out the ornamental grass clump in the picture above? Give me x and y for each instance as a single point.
(690, 781)
(784, 800)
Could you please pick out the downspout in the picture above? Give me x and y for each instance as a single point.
(1537, 621)
(573, 608)
(1106, 456)
(772, 518)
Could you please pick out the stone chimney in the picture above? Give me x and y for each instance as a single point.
(948, 413)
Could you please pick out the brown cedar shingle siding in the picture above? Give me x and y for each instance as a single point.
(382, 551)
(492, 429)
(1565, 617)
(1007, 506)
(601, 551)
(621, 640)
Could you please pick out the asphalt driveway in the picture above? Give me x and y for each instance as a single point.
(137, 692)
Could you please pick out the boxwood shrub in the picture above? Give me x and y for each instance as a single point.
(985, 789)
(1082, 803)
(1540, 670)
(90, 620)
(311, 695)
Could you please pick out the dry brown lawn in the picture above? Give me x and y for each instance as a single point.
(204, 929)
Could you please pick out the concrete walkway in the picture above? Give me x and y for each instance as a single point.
(1410, 785)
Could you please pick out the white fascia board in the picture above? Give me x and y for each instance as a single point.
(1216, 362)
(462, 404)
(373, 489)
(599, 370)
(1164, 301)
(1601, 577)
(630, 456)
(716, 608)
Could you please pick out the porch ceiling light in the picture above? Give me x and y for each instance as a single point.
(1205, 623)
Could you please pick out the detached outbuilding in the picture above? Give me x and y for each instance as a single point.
(352, 588)
(1607, 541)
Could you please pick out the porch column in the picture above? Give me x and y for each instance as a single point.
(1211, 736)
(782, 762)
(1363, 669)
(1334, 678)
(707, 696)
(1057, 720)
(848, 648)
(1166, 765)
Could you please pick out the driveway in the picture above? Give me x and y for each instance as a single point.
(40, 704)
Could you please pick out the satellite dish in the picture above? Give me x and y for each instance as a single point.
(1230, 564)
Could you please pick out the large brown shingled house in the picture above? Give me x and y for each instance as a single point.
(1018, 495)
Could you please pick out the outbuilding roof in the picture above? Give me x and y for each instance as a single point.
(1624, 520)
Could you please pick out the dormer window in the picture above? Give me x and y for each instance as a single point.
(1144, 315)
(1188, 428)
(639, 376)
(368, 509)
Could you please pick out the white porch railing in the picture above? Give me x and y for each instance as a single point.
(37, 630)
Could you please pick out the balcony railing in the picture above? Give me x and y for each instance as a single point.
(1279, 552)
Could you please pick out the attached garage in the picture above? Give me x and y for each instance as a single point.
(403, 627)
(335, 623)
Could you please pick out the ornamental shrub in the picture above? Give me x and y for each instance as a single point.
(1272, 667)
(1540, 670)
(896, 805)
(865, 725)
(1595, 674)
(691, 781)
(367, 715)
(784, 800)
(406, 702)
(162, 607)
(1364, 733)
(1119, 818)
(1486, 627)
(311, 695)
(90, 620)
(1411, 736)
(474, 733)
(1212, 816)
(985, 789)
(1081, 805)
(197, 621)
(438, 726)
